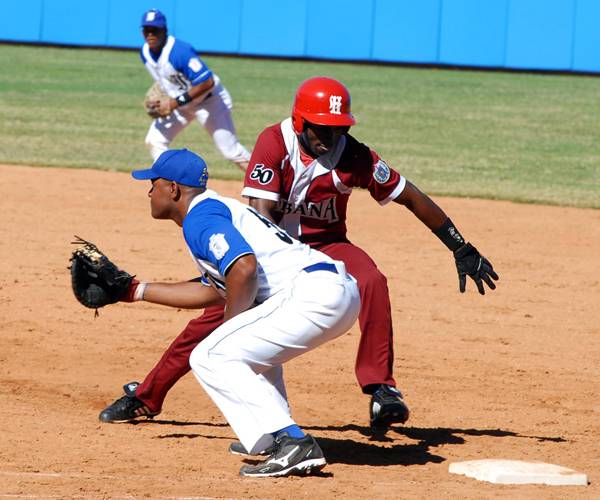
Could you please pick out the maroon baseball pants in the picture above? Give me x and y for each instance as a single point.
(375, 357)
(175, 362)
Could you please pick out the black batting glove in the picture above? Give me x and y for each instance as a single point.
(470, 262)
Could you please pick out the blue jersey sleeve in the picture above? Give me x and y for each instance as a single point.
(211, 235)
(185, 60)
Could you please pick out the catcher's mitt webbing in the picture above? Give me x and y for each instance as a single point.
(96, 281)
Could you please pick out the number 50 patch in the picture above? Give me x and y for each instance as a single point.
(262, 174)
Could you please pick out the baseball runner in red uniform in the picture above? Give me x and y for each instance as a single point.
(301, 174)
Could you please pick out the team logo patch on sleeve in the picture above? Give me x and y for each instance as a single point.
(218, 245)
(382, 172)
(195, 65)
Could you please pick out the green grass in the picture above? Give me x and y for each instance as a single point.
(523, 137)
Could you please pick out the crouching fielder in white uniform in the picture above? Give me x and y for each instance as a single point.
(282, 300)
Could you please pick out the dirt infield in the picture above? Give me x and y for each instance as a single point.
(514, 374)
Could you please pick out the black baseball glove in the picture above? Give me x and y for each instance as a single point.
(95, 280)
(470, 262)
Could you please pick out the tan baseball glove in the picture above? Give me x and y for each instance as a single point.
(156, 102)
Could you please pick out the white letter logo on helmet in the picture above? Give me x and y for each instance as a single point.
(335, 104)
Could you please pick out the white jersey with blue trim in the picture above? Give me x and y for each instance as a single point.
(178, 67)
(220, 230)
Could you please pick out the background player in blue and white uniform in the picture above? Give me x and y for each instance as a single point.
(195, 92)
(282, 299)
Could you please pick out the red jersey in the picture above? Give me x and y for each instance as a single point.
(312, 194)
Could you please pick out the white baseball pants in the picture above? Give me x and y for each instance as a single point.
(240, 363)
(213, 113)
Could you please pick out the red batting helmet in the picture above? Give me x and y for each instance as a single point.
(322, 101)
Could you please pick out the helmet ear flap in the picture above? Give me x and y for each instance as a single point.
(297, 122)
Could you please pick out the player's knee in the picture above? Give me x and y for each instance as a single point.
(155, 149)
(149, 143)
(373, 280)
(199, 359)
(156, 143)
(206, 360)
(235, 153)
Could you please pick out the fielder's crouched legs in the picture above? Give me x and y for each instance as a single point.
(240, 365)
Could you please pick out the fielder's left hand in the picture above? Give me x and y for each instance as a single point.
(470, 262)
(166, 105)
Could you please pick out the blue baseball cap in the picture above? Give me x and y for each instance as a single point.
(154, 17)
(178, 165)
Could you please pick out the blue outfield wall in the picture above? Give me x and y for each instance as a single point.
(521, 34)
(406, 31)
(473, 32)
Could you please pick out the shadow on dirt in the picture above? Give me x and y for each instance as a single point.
(179, 423)
(175, 423)
(348, 451)
(376, 451)
(439, 435)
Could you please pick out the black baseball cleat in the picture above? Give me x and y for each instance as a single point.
(126, 408)
(387, 407)
(291, 456)
(237, 448)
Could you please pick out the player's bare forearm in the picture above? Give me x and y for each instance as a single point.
(186, 295)
(469, 262)
(268, 208)
(242, 285)
(422, 206)
(201, 88)
(195, 92)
